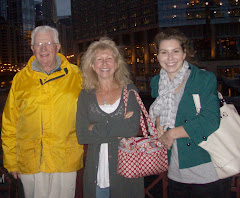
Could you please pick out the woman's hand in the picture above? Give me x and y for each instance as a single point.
(169, 136)
(159, 128)
(90, 127)
(128, 114)
(167, 139)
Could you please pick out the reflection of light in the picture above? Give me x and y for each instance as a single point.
(175, 6)
(70, 56)
(206, 3)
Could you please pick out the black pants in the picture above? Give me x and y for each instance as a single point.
(218, 189)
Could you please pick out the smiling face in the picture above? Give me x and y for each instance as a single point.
(104, 64)
(45, 54)
(171, 56)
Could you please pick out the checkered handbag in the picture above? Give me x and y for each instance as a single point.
(141, 156)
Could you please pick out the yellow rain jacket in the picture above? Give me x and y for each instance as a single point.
(39, 121)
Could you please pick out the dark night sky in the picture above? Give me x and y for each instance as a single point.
(63, 7)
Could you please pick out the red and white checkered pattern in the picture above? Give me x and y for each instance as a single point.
(141, 156)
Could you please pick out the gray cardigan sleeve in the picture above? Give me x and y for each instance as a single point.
(84, 135)
(108, 128)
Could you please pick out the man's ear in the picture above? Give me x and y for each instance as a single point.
(58, 47)
(32, 49)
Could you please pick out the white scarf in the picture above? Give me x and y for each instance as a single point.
(163, 106)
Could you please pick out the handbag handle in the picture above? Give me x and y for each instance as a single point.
(143, 110)
(197, 102)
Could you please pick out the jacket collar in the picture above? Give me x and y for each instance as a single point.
(43, 78)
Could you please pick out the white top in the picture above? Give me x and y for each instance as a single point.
(103, 168)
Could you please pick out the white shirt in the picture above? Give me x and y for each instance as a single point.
(103, 167)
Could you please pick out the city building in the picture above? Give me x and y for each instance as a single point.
(19, 14)
(212, 26)
(132, 24)
(68, 46)
(17, 20)
(39, 19)
(49, 12)
(214, 29)
(8, 47)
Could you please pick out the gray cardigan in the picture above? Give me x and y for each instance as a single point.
(107, 128)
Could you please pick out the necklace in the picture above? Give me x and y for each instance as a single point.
(104, 102)
(108, 95)
(104, 98)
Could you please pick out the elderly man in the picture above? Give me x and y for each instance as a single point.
(38, 124)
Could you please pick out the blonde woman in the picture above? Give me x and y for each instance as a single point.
(101, 121)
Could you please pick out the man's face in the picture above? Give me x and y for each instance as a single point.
(45, 49)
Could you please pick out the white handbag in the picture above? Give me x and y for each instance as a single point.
(224, 144)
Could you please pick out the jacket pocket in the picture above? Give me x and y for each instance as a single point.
(28, 158)
(74, 154)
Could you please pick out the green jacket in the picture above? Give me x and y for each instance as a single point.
(200, 126)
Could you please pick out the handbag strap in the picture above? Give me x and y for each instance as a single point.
(222, 100)
(143, 110)
(197, 102)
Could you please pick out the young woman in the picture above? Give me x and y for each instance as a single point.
(191, 173)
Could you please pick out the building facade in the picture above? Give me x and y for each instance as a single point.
(68, 46)
(8, 48)
(131, 24)
(20, 15)
(214, 30)
(212, 26)
(49, 12)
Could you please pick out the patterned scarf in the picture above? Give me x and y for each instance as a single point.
(163, 106)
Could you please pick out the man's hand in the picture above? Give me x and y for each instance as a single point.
(15, 174)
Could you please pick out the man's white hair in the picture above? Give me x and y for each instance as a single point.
(45, 28)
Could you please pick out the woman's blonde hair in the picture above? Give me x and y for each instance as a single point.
(90, 78)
